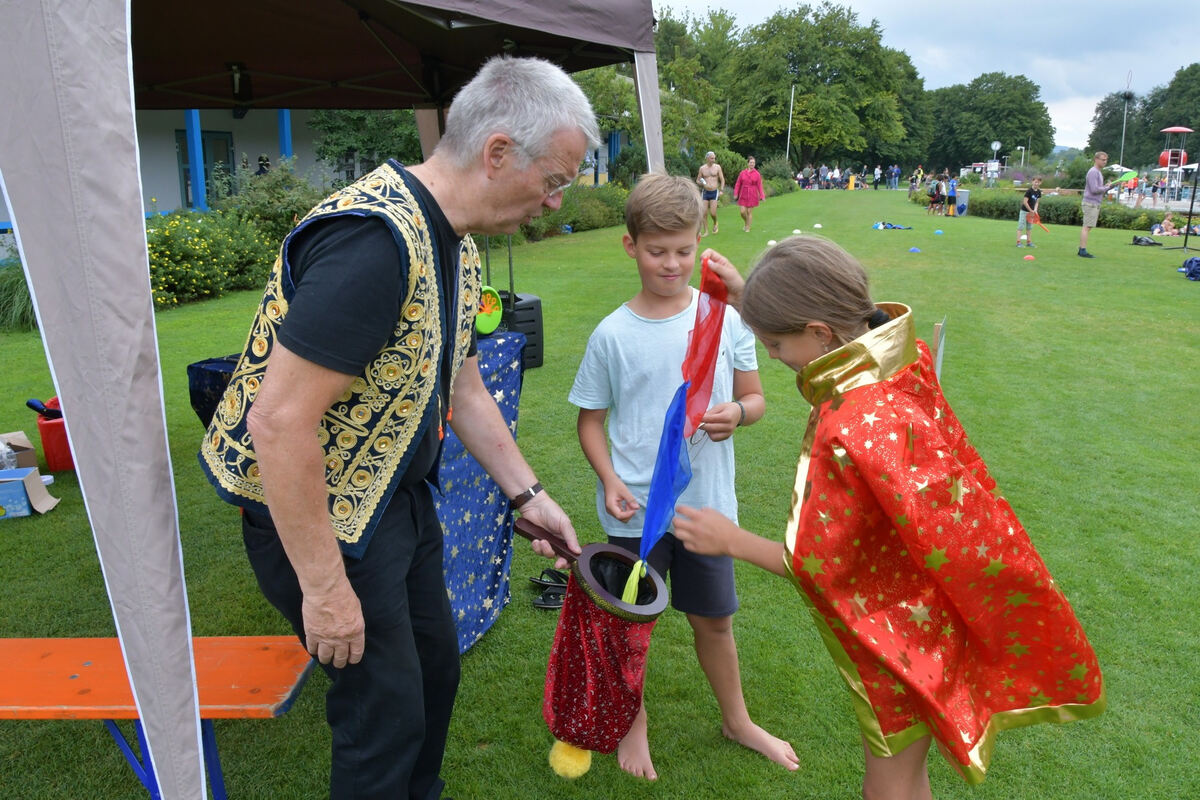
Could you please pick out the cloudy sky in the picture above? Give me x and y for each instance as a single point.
(1076, 51)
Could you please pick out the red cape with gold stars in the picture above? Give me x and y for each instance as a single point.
(931, 598)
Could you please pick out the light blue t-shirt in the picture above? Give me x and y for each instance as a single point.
(632, 368)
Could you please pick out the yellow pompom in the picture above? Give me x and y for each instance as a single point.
(569, 761)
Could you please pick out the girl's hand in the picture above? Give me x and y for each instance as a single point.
(728, 274)
(704, 531)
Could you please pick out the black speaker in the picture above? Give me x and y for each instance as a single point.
(520, 312)
(523, 312)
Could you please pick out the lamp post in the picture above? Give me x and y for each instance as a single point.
(1021, 147)
(787, 150)
(1126, 96)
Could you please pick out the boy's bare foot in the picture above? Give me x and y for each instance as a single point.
(770, 746)
(633, 753)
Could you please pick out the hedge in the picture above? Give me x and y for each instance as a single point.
(1054, 209)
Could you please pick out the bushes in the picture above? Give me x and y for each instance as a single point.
(1054, 209)
(273, 202)
(16, 306)
(195, 256)
(583, 208)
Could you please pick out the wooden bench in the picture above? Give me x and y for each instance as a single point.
(238, 677)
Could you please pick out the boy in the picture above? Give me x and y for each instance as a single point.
(1029, 205)
(632, 367)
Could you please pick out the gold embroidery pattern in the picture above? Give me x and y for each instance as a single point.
(369, 430)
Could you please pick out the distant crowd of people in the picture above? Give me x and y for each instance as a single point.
(826, 177)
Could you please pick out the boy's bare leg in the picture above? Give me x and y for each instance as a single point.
(717, 653)
(903, 776)
(633, 753)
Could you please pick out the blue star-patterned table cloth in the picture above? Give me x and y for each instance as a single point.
(473, 510)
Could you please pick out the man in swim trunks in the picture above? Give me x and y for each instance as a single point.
(712, 182)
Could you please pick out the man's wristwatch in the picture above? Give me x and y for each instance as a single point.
(525, 496)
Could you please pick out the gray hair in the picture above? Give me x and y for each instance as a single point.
(526, 99)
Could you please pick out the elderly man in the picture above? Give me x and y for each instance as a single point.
(1093, 193)
(712, 182)
(331, 430)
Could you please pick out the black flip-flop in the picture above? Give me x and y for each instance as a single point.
(551, 598)
(550, 578)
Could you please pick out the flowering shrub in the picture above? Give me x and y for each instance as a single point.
(195, 256)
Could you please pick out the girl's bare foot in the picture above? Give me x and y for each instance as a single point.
(633, 753)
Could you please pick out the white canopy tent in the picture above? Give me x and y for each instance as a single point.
(70, 177)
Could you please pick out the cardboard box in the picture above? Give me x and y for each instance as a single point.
(19, 442)
(22, 492)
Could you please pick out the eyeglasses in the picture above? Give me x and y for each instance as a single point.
(551, 184)
(556, 184)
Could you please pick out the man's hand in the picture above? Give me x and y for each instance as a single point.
(333, 625)
(543, 511)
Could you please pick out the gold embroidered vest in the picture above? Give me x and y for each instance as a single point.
(370, 433)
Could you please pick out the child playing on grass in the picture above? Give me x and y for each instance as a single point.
(628, 376)
(1029, 205)
(925, 588)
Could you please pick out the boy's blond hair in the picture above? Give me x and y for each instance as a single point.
(663, 204)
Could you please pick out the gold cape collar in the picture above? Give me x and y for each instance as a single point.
(875, 356)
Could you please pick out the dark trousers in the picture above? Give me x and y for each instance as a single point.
(390, 712)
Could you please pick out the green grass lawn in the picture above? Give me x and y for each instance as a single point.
(1074, 377)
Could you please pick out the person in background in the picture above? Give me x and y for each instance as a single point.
(1029, 205)
(1093, 192)
(711, 179)
(748, 193)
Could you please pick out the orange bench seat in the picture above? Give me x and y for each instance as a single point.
(236, 676)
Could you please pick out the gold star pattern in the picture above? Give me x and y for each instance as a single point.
(1017, 649)
(1078, 672)
(919, 613)
(958, 490)
(859, 604)
(1017, 599)
(813, 565)
(994, 566)
(841, 457)
(936, 560)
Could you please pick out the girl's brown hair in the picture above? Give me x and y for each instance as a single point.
(807, 279)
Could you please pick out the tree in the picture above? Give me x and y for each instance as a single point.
(1177, 103)
(1110, 126)
(846, 85)
(993, 107)
(356, 141)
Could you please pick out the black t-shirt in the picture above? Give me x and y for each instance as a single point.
(1031, 198)
(349, 280)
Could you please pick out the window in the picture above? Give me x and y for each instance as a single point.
(217, 147)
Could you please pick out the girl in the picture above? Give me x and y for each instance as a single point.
(927, 592)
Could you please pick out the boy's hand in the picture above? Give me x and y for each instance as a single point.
(619, 502)
(728, 274)
(720, 421)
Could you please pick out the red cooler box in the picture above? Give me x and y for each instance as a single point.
(54, 441)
